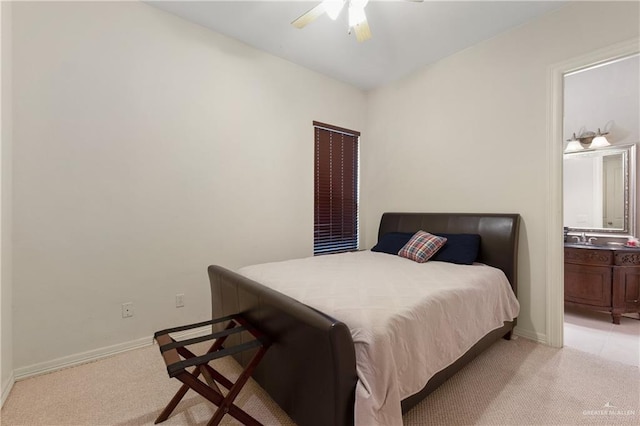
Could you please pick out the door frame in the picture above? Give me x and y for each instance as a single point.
(554, 148)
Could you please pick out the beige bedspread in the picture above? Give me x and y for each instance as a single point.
(408, 320)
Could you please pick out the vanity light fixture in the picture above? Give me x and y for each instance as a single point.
(586, 140)
(573, 145)
(600, 141)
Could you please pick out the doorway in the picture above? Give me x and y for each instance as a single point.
(554, 274)
(604, 96)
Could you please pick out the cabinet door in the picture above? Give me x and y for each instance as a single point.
(588, 285)
(627, 291)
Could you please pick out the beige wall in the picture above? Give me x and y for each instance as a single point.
(6, 317)
(147, 148)
(469, 133)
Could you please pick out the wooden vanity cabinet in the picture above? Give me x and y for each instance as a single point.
(602, 279)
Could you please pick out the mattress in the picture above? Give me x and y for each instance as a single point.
(407, 320)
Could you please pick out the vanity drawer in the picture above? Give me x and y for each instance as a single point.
(627, 258)
(588, 256)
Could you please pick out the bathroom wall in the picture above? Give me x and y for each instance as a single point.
(606, 96)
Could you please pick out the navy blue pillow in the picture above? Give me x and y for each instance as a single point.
(392, 242)
(459, 248)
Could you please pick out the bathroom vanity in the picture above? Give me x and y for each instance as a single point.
(602, 278)
(599, 205)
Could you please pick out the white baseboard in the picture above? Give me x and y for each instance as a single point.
(531, 335)
(80, 358)
(6, 388)
(96, 354)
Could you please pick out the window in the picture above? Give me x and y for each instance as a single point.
(336, 189)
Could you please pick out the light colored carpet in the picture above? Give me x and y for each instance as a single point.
(513, 383)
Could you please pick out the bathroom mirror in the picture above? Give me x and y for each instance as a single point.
(599, 190)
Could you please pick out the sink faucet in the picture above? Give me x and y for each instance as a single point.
(582, 239)
(591, 240)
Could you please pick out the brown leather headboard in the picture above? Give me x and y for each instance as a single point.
(498, 234)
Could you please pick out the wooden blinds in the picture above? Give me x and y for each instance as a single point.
(336, 189)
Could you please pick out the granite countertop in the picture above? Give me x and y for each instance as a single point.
(614, 247)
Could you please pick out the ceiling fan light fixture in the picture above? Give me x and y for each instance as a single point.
(358, 3)
(333, 8)
(356, 15)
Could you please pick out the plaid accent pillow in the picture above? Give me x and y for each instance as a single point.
(422, 246)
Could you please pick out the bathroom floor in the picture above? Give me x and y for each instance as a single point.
(593, 332)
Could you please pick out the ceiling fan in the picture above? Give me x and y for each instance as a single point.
(357, 18)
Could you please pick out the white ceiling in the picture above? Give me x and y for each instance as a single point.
(406, 35)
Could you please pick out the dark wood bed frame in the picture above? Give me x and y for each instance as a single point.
(310, 369)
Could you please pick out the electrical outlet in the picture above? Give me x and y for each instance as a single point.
(179, 300)
(127, 310)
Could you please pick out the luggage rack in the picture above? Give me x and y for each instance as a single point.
(178, 358)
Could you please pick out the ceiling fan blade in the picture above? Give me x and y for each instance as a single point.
(309, 16)
(362, 30)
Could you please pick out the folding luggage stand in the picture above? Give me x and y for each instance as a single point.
(172, 350)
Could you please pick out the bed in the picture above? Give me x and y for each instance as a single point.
(311, 370)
